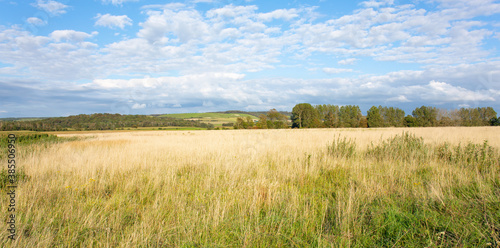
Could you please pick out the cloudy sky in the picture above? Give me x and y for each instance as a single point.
(67, 57)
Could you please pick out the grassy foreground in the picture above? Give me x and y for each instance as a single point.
(259, 188)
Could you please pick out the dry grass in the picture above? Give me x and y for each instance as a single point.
(242, 188)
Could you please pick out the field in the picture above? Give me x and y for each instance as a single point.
(216, 119)
(392, 187)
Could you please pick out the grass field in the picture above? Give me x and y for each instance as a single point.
(393, 187)
(216, 119)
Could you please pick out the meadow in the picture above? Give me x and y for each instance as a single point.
(216, 119)
(388, 187)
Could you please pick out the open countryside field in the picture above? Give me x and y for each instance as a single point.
(216, 119)
(261, 188)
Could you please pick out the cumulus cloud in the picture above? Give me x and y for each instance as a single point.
(71, 35)
(117, 2)
(442, 90)
(347, 61)
(182, 56)
(36, 21)
(400, 98)
(52, 7)
(285, 14)
(336, 70)
(138, 106)
(184, 25)
(376, 4)
(111, 21)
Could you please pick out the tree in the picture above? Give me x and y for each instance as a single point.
(350, 116)
(262, 124)
(328, 114)
(476, 116)
(374, 118)
(249, 122)
(495, 121)
(304, 115)
(276, 120)
(425, 116)
(240, 123)
(410, 121)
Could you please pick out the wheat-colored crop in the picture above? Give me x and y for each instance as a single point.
(241, 188)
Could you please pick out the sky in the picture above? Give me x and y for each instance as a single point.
(68, 57)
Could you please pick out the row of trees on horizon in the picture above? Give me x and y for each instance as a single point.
(305, 115)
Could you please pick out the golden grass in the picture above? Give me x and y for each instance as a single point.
(185, 188)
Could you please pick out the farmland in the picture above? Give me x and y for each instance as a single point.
(388, 187)
(216, 119)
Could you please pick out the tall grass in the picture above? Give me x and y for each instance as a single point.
(259, 188)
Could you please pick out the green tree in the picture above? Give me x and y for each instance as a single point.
(304, 116)
(350, 116)
(425, 116)
(495, 121)
(262, 124)
(374, 118)
(410, 121)
(276, 120)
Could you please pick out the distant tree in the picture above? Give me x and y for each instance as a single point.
(495, 121)
(350, 116)
(304, 116)
(240, 123)
(374, 118)
(410, 121)
(392, 117)
(448, 118)
(328, 114)
(276, 120)
(363, 122)
(425, 116)
(486, 115)
(262, 124)
(249, 122)
(476, 116)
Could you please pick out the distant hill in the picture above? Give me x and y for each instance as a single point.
(97, 122)
(218, 119)
(254, 113)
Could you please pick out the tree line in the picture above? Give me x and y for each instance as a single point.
(304, 115)
(98, 122)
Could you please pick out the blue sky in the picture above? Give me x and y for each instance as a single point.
(60, 58)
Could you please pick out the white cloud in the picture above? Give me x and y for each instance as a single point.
(117, 2)
(376, 4)
(139, 106)
(36, 21)
(400, 98)
(51, 7)
(203, 1)
(441, 90)
(71, 35)
(186, 57)
(336, 70)
(285, 14)
(347, 61)
(184, 25)
(112, 21)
